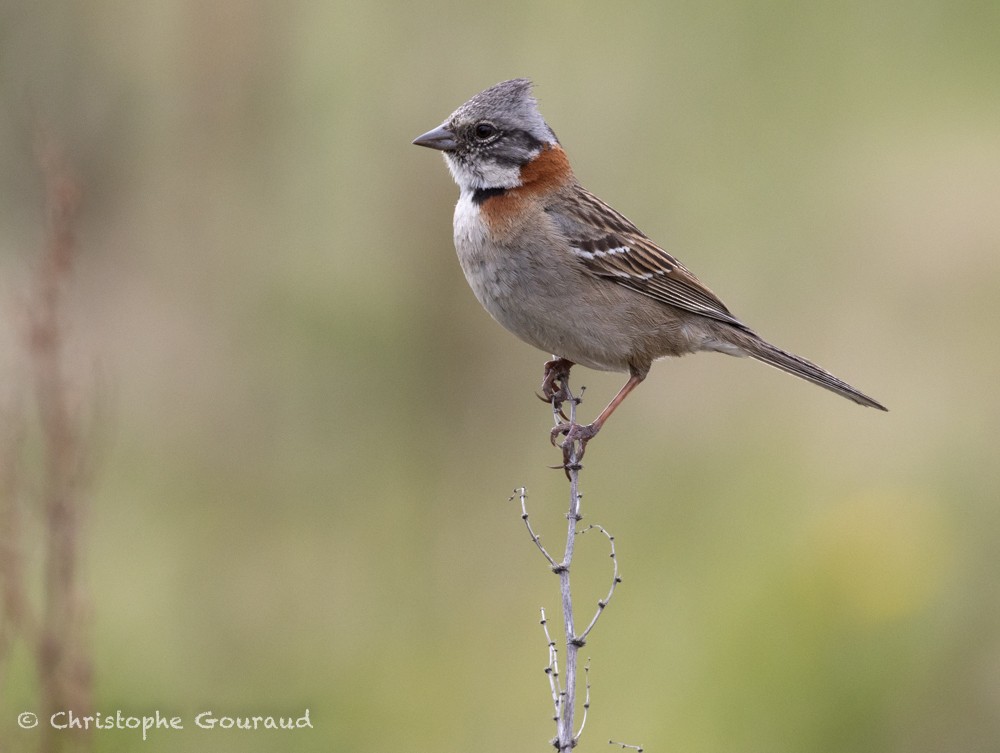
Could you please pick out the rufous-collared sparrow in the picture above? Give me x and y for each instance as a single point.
(568, 274)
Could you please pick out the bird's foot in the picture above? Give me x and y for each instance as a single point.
(554, 379)
(575, 442)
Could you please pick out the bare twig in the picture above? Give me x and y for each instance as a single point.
(586, 699)
(552, 670)
(523, 494)
(564, 726)
(564, 690)
(615, 580)
(636, 748)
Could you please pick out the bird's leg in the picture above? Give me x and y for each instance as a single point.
(556, 372)
(584, 433)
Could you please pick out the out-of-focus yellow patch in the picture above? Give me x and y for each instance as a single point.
(879, 555)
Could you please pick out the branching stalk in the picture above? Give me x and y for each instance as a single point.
(563, 689)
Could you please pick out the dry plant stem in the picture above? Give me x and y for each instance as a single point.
(552, 670)
(523, 494)
(56, 631)
(586, 700)
(564, 690)
(626, 746)
(616, 579)
(565, 736)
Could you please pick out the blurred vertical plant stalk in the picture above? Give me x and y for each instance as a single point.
(41, 522)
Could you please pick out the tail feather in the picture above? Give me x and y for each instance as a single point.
(763, 351)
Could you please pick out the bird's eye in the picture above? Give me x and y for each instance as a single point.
(485, 131)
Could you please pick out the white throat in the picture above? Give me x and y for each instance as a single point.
(487, 174)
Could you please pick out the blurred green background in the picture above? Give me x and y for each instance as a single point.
(309, 428)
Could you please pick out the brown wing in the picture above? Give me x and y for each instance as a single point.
(610, 246)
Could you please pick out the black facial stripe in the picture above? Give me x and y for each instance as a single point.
(482, 194)
(530, 142)
(505, 160)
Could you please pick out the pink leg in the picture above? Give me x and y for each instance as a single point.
(583, 434)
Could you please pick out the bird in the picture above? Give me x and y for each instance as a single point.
(567, 273)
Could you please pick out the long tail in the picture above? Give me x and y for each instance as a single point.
(760, 349)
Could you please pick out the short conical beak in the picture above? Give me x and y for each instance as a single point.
(440, 138)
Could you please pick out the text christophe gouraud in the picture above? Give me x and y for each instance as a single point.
(147, 723)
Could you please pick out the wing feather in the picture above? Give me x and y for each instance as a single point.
(611, 246)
